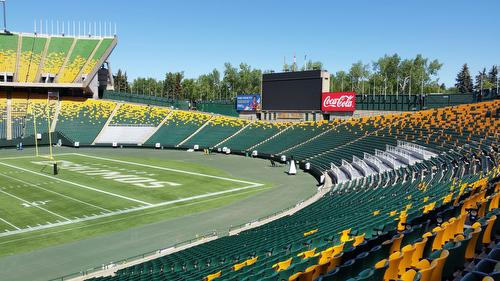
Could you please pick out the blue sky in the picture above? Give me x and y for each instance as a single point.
(156, 36)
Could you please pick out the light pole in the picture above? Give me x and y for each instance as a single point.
(4, 17)
(385, 88)
(374, 88)
(397, 87)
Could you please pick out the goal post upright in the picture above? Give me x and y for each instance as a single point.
(49, 125)
(50, 96)
(32, 111)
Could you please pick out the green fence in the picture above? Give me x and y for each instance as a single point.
(218, 107)
(144, 99)
(418, 102)
(363, 102)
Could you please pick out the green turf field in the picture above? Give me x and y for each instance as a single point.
(93, 189)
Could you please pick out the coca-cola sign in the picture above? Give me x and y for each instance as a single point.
(338, 101)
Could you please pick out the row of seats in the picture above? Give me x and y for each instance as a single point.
(139, 115)
(67, 59)
(179, 126)
(255, 133)
(216, 130)
(82, 120)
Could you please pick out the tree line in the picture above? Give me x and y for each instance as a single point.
(483, 80)
(210, 86)
(388, 75)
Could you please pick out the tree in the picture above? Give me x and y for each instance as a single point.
(482, 81)
(172, 85)
(189, 89)
(230, 81)
(464, 80)
(357, 75)
(387, 67)
(493, 76)
(178, 85)
(147, 86)
(312, 65)
(339, 81)
(121, 82)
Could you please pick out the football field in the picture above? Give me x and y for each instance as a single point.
(90, 188)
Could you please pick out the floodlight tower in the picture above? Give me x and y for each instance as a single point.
(4, 17)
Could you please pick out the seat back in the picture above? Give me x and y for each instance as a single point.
(438, 271)
(471, 246)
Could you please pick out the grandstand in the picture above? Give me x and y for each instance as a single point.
(51, 61)
(390, 225)
(402, 186)
(82, 120)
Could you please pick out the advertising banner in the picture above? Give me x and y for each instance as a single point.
(248, 102)
(338, 101)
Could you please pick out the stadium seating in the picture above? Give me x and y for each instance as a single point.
(8, 52)
(105, 44)
(255, 133)
(413, 222)
(294, 135)
(19, 110)
(82, 120)
(39, 116)
(65, 59)
(179, 126)
(30, 57)
(57, 51)
(139, 115)
(217, 129)
(362, 234)
(80, 54)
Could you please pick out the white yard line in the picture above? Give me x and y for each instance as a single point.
(10, 224)
(41, 208)
(144, 206)
(32, 156)
(77, 184)
(118, 219)
(207, 195)
(165, 169)
(126, 211)
(54, 192)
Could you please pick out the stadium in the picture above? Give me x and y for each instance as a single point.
(299, 181)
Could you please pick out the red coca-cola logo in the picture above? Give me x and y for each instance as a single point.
(341, 101)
